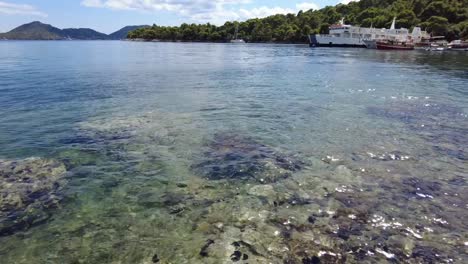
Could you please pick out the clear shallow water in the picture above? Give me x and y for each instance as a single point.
(179, 151)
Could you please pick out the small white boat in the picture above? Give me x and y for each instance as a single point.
(431, 42)
(237, 40)
(435, 47)
(458, 45)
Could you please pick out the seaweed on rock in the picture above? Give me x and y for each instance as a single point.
(234, 157)
(27, 188)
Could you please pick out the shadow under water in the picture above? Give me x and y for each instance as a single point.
(231, 156)
(443, 126)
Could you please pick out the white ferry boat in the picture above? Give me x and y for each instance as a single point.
(342, 35)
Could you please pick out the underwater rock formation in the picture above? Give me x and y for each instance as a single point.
(415, 111)
(234, 157)
(444, 126)
(27, 188)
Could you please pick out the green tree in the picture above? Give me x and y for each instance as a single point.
(441, 17)
(407, 19)
(437, 25)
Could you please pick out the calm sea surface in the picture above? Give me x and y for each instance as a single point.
(219, 153)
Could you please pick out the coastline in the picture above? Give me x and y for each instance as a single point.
(192, 41)
(155, 40)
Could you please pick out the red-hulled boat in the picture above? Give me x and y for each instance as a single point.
(394, 45)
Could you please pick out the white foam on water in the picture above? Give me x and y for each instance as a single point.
(386, 254)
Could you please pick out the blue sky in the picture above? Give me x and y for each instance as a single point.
(110, 15)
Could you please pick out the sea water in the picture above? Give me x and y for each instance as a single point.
(221, 153)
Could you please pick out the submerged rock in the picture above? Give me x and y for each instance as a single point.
(241, 249)
(453, 152)
(155, 258)
(204, 249)
(414, 111)
(262, 191)
(442, 125)
(415, 185)
(312, 260)
(73, 158)
(27, 188)
(231, 156)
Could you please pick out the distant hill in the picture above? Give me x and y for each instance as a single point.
(34, 30)
(122, 33)
(83, 34)
(40, 31)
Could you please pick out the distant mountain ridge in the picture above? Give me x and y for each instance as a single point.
(40, 31)
(83, 33)
(122, 33)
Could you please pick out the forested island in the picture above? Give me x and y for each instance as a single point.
(39, 31)
(447, 18)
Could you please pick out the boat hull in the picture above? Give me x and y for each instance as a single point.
(371, 44)
(389, 46)
(237, 41)
(328, 41)
(459, 47)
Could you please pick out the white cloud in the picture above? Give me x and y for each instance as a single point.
(348, 1)
(19, 9)
(92, 3)
(264, 11)
(168, 5)
(213, 11)
(307, 6)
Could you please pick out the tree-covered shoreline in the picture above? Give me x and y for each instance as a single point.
(441, 17)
